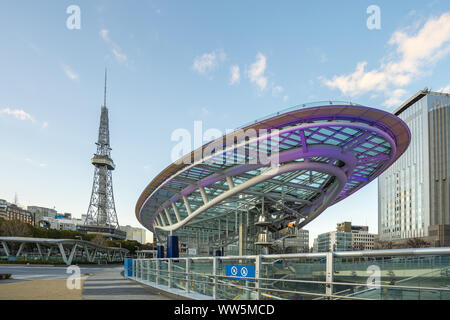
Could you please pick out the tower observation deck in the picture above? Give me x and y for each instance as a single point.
(101, 215)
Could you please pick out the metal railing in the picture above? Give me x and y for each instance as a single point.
(356, 275)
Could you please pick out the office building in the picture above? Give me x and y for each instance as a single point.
(9, 211)
(137, 234)
(414, 193)
(294, 240)
(42, 215)
(346, 238)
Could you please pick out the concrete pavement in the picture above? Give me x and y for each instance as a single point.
(49, 282)
(111, 285)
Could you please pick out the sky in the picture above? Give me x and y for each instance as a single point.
(171, 63)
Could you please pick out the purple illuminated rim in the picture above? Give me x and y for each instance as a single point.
(388, 126)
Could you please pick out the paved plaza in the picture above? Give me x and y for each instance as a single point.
(49, 283)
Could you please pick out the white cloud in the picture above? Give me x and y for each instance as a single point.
(285, 98)
(104, 34)
(36, 49)
(256, 72)
(395, 98)
(207, 62)
(445, 89)
(18, 114)
(205, 111)
(35, 164)
(121, 57)
(116, 50)
(70, 73)
(413, 56)
(235, 74)
(276, 90)
(45, 125)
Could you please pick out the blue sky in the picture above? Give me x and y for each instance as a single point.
(171, 63)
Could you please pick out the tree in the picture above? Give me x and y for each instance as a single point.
(147, 246)
(417, 243)
(358, 247)
(381, 244)
(14, 228)
(127, 244)
(100, 240)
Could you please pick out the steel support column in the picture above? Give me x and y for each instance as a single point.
(5, 247)
(329, 274)
(63, 253)
(177, 214)
(39, 250)
(257, 276)
(20, 249)
(188, 277)
(72, 254)
(214, 274)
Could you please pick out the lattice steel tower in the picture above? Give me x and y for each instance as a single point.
(102, 210)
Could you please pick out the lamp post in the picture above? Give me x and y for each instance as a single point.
(136, 251)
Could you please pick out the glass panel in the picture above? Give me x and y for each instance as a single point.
(152, 270)
(414, 272)
(201, 280)
(163, 273)
(280, 272)
(235, 288)
(179, 274)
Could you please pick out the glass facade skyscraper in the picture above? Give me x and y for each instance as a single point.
(413, 194)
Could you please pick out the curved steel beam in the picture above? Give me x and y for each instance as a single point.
(300, 128)
(320, 167)
(343, 153)
(290, 155)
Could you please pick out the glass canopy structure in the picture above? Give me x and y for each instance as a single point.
(283, 169)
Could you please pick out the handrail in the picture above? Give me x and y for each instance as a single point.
(211, 283)
(338, 254)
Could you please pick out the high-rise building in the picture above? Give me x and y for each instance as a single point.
(414, 193)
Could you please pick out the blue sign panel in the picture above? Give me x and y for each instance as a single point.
(128, 267)
(246, 273)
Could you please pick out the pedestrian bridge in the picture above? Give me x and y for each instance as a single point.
(65, 250)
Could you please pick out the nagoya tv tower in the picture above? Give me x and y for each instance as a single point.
(101, 216)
